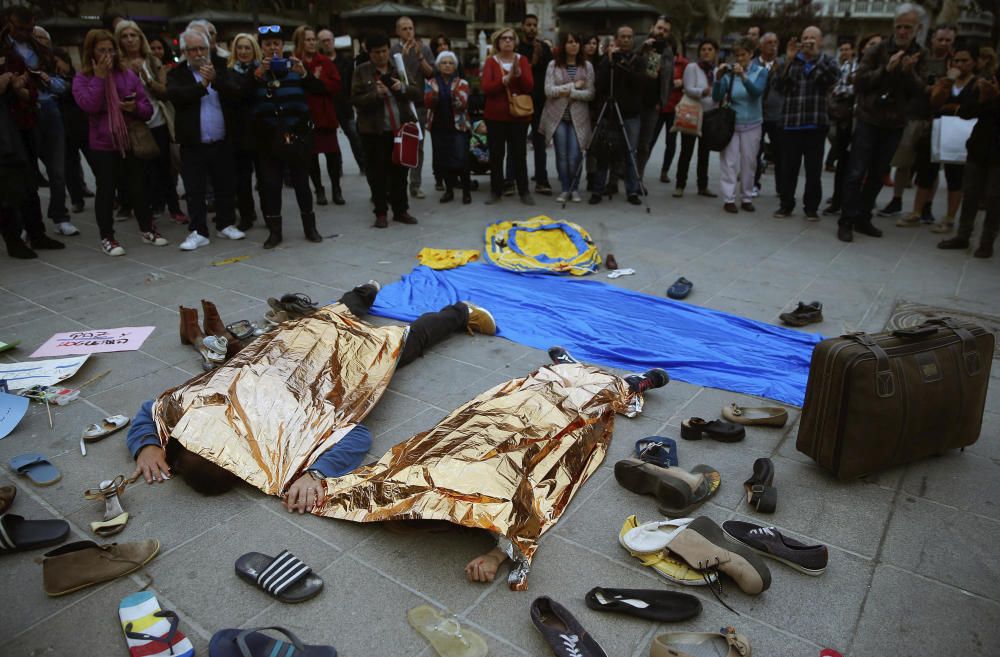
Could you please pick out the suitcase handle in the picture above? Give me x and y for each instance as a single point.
(885, 379)
(915, 332)
(970, 353)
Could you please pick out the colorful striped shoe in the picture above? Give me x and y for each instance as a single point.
(151, 632)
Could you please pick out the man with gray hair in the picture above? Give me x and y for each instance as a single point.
(889, 76)
(208, 28)
(200, 127)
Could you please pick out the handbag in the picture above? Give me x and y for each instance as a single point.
(949, 135)
(520, 105)
(719, 124)
(141, 141)
(405, 141)
(688, 117)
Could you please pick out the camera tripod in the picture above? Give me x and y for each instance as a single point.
(610, 101)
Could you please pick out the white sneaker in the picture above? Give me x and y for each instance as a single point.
(232, 233)
(111, 247)
(562, 198)
(756, 192)
(575, 197)
(154, 238)
(67, 228)
(194, 241)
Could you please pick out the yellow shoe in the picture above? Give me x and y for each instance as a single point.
(480, 320)
(666, 564)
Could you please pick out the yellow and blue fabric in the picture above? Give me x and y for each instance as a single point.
(541, 244)
(151, 632)
(446, 258)
(608, 325)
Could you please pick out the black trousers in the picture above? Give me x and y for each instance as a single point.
(74, 169)
(271, 174)
(508, 138)
(872, 149)
(334, 169)
(800, 146)
(160, 179)
(386, 180)
(982, 184)
(684, 163)
(245, 165)
(199, 163)
(426, 331)
(30, 209)
(129, 174)
(841, 150)
(669, 143)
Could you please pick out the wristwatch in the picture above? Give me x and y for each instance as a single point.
(315, 474)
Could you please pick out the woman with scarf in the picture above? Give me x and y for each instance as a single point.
(113, 96)
(699, 77)
(325, 84)
(134, 51)
(239, 83)
(446, 97)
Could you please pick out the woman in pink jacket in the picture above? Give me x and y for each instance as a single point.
(113, 97)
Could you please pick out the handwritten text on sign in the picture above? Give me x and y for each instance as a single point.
(128, 338)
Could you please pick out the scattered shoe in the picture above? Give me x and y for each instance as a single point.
(680, 289)
(761, 495)
(657, 450)
(7, 495)
(193, 241)
(67, 228)
(232, 233)
(480, 320)
(115, 517)
(766, 416)
(782, 213)
(84, 563)
(702, 544)
(283, 577)
(957, 242)
(153, 238)
(653, 537)
(561, 356)
(38, 469)
(666, 565)
(149, 630)
(106, 427)
(895, 207)
(725, 643)
(678, 491)
(18, 534)
(445, 634)
(695, 428)
(768, 541)
(296, 304)
(254, 643)
(562, 631)
(610, 262)
(804, 313)
(650, 604)
(649, 380)
(111, 247)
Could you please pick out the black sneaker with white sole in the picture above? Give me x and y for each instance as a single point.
(654, 378)
(769, 542)
(560, 356)
(563, 633)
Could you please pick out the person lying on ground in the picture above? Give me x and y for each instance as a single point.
(158, 463)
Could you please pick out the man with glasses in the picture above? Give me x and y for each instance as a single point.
(200, 127)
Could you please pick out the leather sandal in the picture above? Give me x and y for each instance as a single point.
(677, 490)
(115, 517)
(695, 428)
(686, 644)
(767, 416)
(761, 495)
(664, 563)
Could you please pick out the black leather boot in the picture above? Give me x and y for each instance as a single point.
(309, 227)
(274, 231)
(336, 195)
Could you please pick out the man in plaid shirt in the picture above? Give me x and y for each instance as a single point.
(805, 78)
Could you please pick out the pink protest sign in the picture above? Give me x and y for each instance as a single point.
(127, 338)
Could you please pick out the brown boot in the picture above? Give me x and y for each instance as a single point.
(78, 565)
(703, 546)
(190, 331)
(213, 325)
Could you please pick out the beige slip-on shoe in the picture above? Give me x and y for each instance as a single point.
(78, 565)
(689, 644)
(703, 545)
(767, 416)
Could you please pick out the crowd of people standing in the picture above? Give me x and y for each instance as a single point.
(252, 117)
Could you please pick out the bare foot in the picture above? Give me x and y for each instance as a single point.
(484, 567)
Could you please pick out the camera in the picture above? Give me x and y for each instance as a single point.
(279, 65)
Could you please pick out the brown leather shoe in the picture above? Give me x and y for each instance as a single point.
(381, 221)
(404, 218)
(730, 208)
(704, 547)
(78, 565)
(190, 331)
(214, 325)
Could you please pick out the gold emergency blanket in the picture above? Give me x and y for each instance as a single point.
(270, 411)
(509, 461)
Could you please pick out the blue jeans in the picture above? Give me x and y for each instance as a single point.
(631, 175)
(567, 155)
(50, 138)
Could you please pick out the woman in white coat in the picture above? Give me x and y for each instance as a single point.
(699, 77)
(569, 88)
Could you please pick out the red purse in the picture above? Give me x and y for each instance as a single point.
(405, 142)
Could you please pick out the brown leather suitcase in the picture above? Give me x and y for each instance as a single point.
(885, 399)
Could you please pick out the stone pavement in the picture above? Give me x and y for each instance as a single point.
(913, 557)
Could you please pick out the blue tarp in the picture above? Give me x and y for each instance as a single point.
(612, 326)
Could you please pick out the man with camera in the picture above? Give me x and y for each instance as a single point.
(889, 75)
(200, 130)
(620, 77)
(384, 103)
(657, 86)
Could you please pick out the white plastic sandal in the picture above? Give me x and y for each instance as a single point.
(651, 537)
(105, 428)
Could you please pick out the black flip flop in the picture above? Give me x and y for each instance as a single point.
(761, 495)
(253, 643)
(18, 534)
(695, 428)
(283, 577)
(651, 604)
(680, 289)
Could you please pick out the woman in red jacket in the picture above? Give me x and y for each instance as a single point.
(325, 84)
(507, 74)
